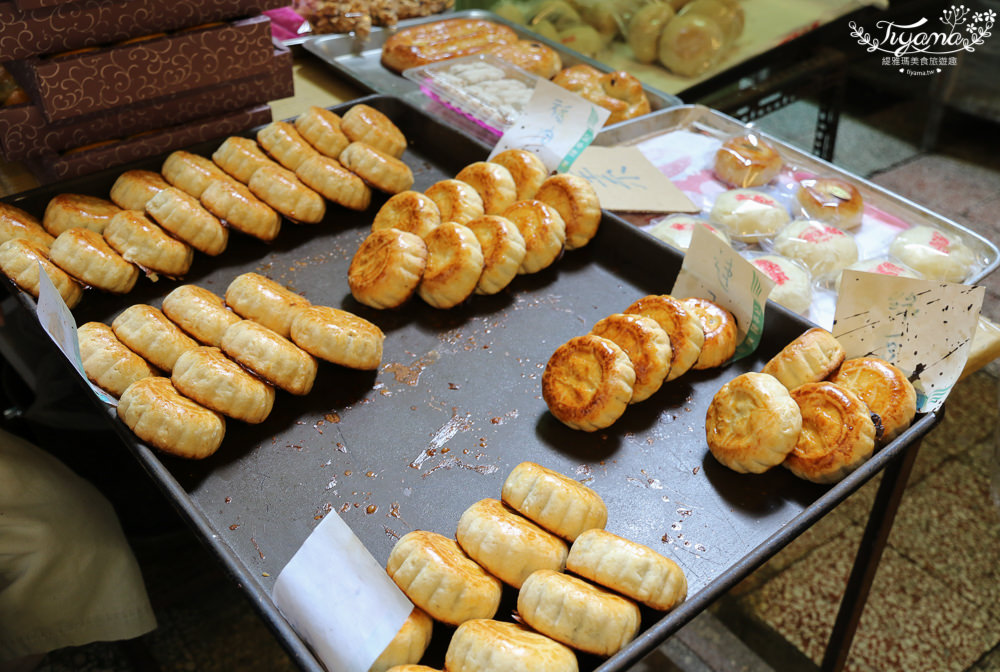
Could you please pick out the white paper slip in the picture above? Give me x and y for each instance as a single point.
(924, 327)
(339, 599)
(626, 181)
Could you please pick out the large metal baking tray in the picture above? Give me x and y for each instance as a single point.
(457, 404)
(360, 62)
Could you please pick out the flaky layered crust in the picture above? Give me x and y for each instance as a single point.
(543, 230)
(454, 265)
(526, 168)
(133, 188)
(683, 328)
(647, 346)
(719, 328)
(810, 358)
(281, 189)
(87, 257)
(282, 141)
(408, 646)
(577, 203)
(557, 503)
(382, 171)
(387, 268)
(207, 376)
(68, 211)
(503, 251)
(192, 173)
(19, 261)
(363, 123)
(169, 421)
(588, 382)
(456, 201)
(409, 211)
(441, 40)
(150, 334)
(184, 217)
(338, 336)
(140, 241)
(271, 356)
(199, 312)
(494, 184)
(321, 129)
(485, 645)
(253, 296)
(884, 388)
(108, 362)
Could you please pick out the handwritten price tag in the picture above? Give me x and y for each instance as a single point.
(626, 181)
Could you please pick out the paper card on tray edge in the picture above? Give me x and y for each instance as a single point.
(626, 181)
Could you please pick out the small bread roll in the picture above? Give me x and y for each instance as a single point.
(810, 358)
(167, 420)
(199, 312)
(556, 502)
(543, 230)
(492, 182)
(16, 223)
(822, 248)
(108, 362)
(747, 161)
(507, 545)
(748, 215)
(526, 168)
(234, 204)
(884, 388)
(191, 173)
(338, 336)
(720, 330)
(363, 123)
(409, 644)
(256, 297)
(133, 189)
(151, 335)
(456, 201)
(184, 217)
(454, 264)
(387, 268)
(19, 260)
(240, 157)
(690, 45)
(271, 356)
(86, 256)
(68, 211)
(933, 253)
(437, 576)
(837, 435)
(647, 346)
(831, 200)
(334, 182)
(792, 281)
(752, 423)
(587, 383)
(408, 211)
(503, 251)
(577, 613)
(286, 193)
(683, 328)
(636, 571)
(281, 141)
(382, 171)
(207, 376)
(321, 129)
(487, 646)
(140, 241)
(575, 200)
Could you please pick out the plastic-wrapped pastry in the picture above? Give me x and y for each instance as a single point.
(644, 29)
(140, 241)
(747, 161)
(691, 45)
(185, 218)
(884, 388)
(363, 123)
(583, 38)
(19, 261)
(824, 249)
(587, 383)
(408, 211)
(68, 211)
(199, 312)
(86, 256)
(726, 13)
(503, 252)
(234, 203)
(16, 223)
(935, 254)
(159, 415)
(810, 358)
(619, 92)
(559, 504)
(527, 169)
(338, 336)
(207, 376)
(321, 129)
(647, 346)
(271, 356)
(334, 182)
(748, 215)
(831, 200)
(792, 282)
(683, 328)
(881, 265)
(677, 230)
(281, 141)
(482, 645)
(192, 173)
(151, 335)
(719, 327)
(107, 362)
(454, 265)
(409, 644)
(382, 171)
(284, 191)
(256, 297)
(133, 188)
(387, 268)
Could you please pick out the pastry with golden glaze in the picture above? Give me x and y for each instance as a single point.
(408, 211)
(334, 182)
(618, 92)
(88, 258)
(69, 211)
(321, 129)
(884, 388)
(506, 544)
(170, 422)
(234, 204)
(632, 569)
(483, 645)
(837, 435)
(151, 335)
(719, 327)
(271, 356)
(107, 362)
(16, 223)
(411, 668)
(133, 189)
(338, 336)
(577, 613)
(382, 171)
(682, 327)
(213, 380)
(283, 191)
(141, 242)
(191, 173)
(543, 231)
(644, 29)
(831, 200)
(576, 202)
(442, 40)
(810, 358)
(387, 268)
(437, 576)
(526, 168)
(557, 503)
(240, 157)
(587, 382)
(752, 423)
(184, 217)
(529, 55)
(363, 123)
(199, 312)
(408, 646)
(647, 346)
(454, 265)
(283, 143)
(747, 160)
(19, 260)
(255, 297)
(503, 251)
(493, 183)
(456, 201)
(690, 45)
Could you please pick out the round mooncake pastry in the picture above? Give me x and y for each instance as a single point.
(151, 335)
(321, 129)
(240, 157)
(338, 336)
(752, 423)
(409, 668)
(526, 168)
(271, 356)
(837, 435)
(933, 253)
(831, 200)
(636, 571)
(19, 260)
(68, 211)
(16, 223)
(191, 173)
(747, 161)
(748, 215)
(810, 358)
(454, 264)
(677, 230)
(409, 644)
(543, 231)
(690, 45)
(363, 123)
(199, 312)
(234, 203)
(283, 191)
(437, 576)
(881, 265)
(86, 256)
(382, 171)
(255, 297)
(167, 420)
(456, 201)
(576, 613)
(576, 202)
(493, 183)
(822, 248)
(792, 282)
(207, 376)
(587, 382)
(503, 251)
(184, 217)
(133, 188)
(281, 141)
(647, 346)
(682, 327)
(387, 268)
(408, 211)
(483, 645)
(884, 388)
(108, 362)
(719, 327)
(334, 182)
(506, 544)
(556, 502)
(141, 242)
(644, 29)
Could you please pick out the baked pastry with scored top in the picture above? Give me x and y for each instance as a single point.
(884, 388)
(151, 335)
(503, 251)
(271, 356)
(575, 200)
(16, 223)
(382, 171)
(529, 55)
(240, 157)
(810, 358)
(481, 645)
(454, 264)
(338, 336)
(527, 169)
(107, 362)
(363, 123)
(543, 231)
(184, 217)
(167, 420)
(408, 646)
(457, 201)
(588, 382)
(618, 92)
(408, 211)
(234, 203)
(387, 268)
(19, 261)
(719, 327)
(259, 298)
(207, 376)
(494, 184)
(284, 191)
(88, 258)
(68, 211)
(647, 346)
(334, 182)
(192, 173)
(558, 503)
(281, 141)
(682, 327)
(321, 129)
(199, 312)
(133, 188)
(140, 241)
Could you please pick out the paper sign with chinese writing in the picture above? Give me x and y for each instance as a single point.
(626, 181)
(715, 271)
(924, 327)
(556, 124)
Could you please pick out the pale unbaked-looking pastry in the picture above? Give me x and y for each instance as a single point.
(747, 161)
(454, 264)
(409, 644)
(677, 230)
(719, 327)
(503, 251)
(68, 211)
(752, 423)
(259, 298)
(387, 268)
(86, 256)
(493, 182)
(506, 544)
(382, 171)
(199, 312)
(363, 123)
(281, 141)
(16, 223)
(162, 417)
(824, 249)
(881, 265)
(283, 191)
(683, 328)
(624, 566)
(192, 173)
(647, 346)
(587, 382)
(576, 202)
(933, 253)
(184, 217)
(884, 388)
(240, 157)
(481, 645)
(408, 211)
(527, 169)
(748, 215)
(810, 358)
(456, 201)
(234, 203)
(140, 241)
(271, 356)
(543, 231)
(321, 129)
(792, 282)
(19, 260)
(207, 376)
(150, 334)
(556, 502)
(334, 182)
(338, 336)
(437, 576)
(831, 200)
(134, 188)
(108, 362)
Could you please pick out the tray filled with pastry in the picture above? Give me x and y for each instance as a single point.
(473, 365)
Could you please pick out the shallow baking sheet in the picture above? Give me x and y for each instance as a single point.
(456, 405)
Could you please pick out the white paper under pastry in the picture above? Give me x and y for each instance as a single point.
(339, 599)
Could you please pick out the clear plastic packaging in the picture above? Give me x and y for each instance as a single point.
(676, 230)
(749, 215)
(824, 249)
(831, 200)
(747, 160)
(881, 264)
(792, 281)
(934, 253)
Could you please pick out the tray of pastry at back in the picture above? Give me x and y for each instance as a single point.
(456, 404)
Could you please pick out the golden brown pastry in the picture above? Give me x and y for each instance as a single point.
(256, 297)
(191, 173)
(387, 268)
(543, 230)
(810, 358)
(454, 264)
(587, 382)
(151, 335)
(408, 211)
(240, 157)
(411, 668)
(108, 362)
(283, 191)
(338, 336)
(409, 644)
(140, 241)
(691, 45)
(647, 346)
(526, 168)
(234, 204)
(184, 217)
(334, 182)
(456, 201)
(556, 502)
(213, 380)
(19, 260)
(271, 356)
(618, 92)
(492, 182)
(68, 211)
(133, 189)
(481, 645)
(282, 142)
(831, 200)
(576, 202)
(16, 223)
(683, 329)
(199, 312)
(382, 171)
(719, 327)
(747, 161)
(503, 251)
(884, 388)
(86, 256)
(167, 420)
(321, 129)
(728, 14)
(441, 40)
(437, 576)
(363, 123)
(644, 29)
(752, 423)
(837, 435)
(529, 55)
